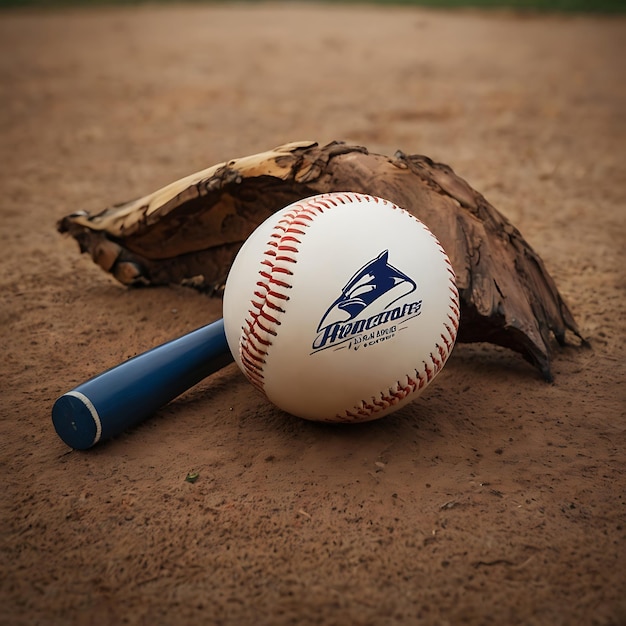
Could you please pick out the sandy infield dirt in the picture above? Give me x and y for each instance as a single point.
(495, 498)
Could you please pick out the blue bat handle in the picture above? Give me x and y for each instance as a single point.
(123, 396)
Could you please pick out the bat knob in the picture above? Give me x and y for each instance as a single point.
(76, 420)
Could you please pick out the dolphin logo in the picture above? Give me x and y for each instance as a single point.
(377, 281)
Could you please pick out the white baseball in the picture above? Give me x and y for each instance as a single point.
(341, 308)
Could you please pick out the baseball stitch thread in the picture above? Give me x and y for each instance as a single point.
(272, 291)
(271, 295)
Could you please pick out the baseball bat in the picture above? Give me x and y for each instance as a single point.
(126, 394)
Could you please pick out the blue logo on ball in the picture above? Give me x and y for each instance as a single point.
(376, 286)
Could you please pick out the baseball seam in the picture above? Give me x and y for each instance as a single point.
(272, 294)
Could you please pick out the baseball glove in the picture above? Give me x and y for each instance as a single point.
(190, 231)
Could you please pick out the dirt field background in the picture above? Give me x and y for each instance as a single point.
(496, 498)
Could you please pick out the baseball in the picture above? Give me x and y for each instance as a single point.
(341, 308)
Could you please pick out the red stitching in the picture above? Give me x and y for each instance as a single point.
(304, 215)
(280, 296)
(283, 270)
(268, 317)
(280, 283)
(455, 322)
(274, 306)
(256, 358)
(265, 342)
(423, 382)
(436, 362)
(445, 339)
(270, 331)
(281, 249)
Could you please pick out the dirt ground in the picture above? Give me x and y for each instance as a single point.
(495, 498)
